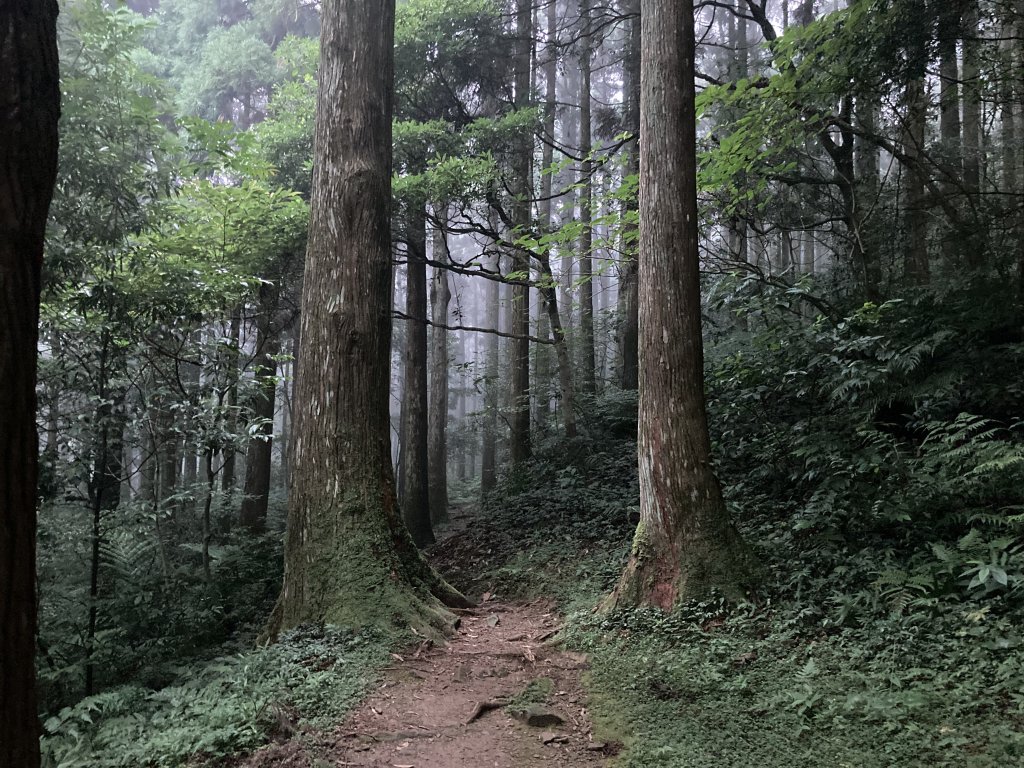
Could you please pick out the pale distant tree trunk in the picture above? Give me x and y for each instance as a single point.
(628, 303)
(685, 545)
(489, 426)
(440, 298)
(30, 93)
(416, 498)
(586, 346)
(349, 559)
(519, 347)
(949, 28)
(258, 461)
(568, 180)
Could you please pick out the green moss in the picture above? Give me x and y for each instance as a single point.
(536, 692)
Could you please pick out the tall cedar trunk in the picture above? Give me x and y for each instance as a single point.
(104, 484)
(416, 499)
(29, 91)
(685, 545)
(587, 361)
(519, 347)
(489, 426)
(258, 458)
(349, 558)
(628, 300)
(437, 427)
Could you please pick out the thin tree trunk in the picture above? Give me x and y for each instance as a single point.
(628, 300)
(587, 361)
(440, 298)
(489, 425)
(258, 460)
(916, 265)
(232, 359)
(416, 501)
(519, 347)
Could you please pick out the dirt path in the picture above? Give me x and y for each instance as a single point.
(453, 706)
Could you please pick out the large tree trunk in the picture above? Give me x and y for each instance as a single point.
(349, 558)
(685, 545)
(30, 93)
(628, 300)
(416, 498)
(519, 347)
(437, 427)
(259, 455)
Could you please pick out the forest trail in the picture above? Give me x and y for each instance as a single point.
(466, 703)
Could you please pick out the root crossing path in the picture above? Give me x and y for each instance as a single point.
(495, 697)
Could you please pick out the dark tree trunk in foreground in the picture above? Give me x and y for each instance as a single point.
(416, 494)
(30, 95)
(348, 557)
(437, 427)
(685, 545)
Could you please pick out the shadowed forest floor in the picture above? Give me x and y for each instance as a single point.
(493, 696)
(499, 694)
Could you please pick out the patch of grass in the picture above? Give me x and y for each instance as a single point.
(311, 678)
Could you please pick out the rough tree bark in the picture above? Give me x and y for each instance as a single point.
(30, 95)
(348, 556)
(685, 545)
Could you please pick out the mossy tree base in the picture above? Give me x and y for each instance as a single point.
(663, 573)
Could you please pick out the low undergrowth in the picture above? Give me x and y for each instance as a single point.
(213, 709)
(877, 466)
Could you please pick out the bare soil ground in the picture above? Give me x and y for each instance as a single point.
(461, 705)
